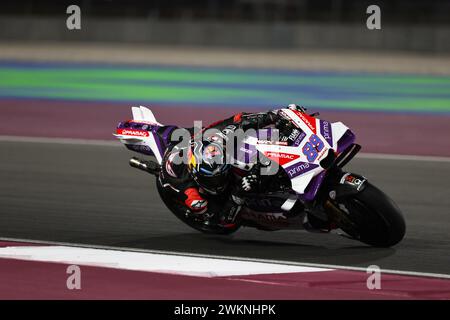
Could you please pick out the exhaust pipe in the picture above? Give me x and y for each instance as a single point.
(147, 166)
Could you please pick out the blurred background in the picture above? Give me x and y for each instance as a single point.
(417, 25)
(208, 59)
(62, 93)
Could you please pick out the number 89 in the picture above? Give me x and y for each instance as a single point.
(312, 148)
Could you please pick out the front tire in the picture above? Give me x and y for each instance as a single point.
(376, 219)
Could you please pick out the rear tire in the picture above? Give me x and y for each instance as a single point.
(378, 220)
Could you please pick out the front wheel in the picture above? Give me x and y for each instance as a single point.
(375, 219)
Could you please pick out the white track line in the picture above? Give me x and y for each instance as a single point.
(198, 255)
(112, 143)
(148, 262)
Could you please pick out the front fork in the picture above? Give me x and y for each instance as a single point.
(338, 186)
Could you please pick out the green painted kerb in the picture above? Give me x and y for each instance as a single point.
(226, 87)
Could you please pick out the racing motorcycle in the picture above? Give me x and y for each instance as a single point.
(310, 163)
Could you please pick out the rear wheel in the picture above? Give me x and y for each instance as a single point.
(376, 219)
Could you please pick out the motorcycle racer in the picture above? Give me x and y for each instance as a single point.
(285, 176)
(207, 173)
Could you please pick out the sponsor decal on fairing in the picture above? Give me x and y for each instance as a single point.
(133, 132)
(299, 139)
(299, 168)
(326, 132)
(353, 181)
(308, 120)
(281, 157)
(270, 142)
(294, 134)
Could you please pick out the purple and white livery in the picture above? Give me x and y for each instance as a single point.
(308, 189)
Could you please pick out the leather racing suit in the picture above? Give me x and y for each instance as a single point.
(178, 177)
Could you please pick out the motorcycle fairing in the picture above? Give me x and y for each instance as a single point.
(140, 134)
(306, 173)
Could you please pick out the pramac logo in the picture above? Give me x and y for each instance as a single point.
(280, 158)
(132, 132)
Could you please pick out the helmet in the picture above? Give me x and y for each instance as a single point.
(207, 164)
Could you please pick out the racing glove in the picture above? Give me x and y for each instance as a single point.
(249, 183)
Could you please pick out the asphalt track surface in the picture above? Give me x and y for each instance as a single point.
(88, 194)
